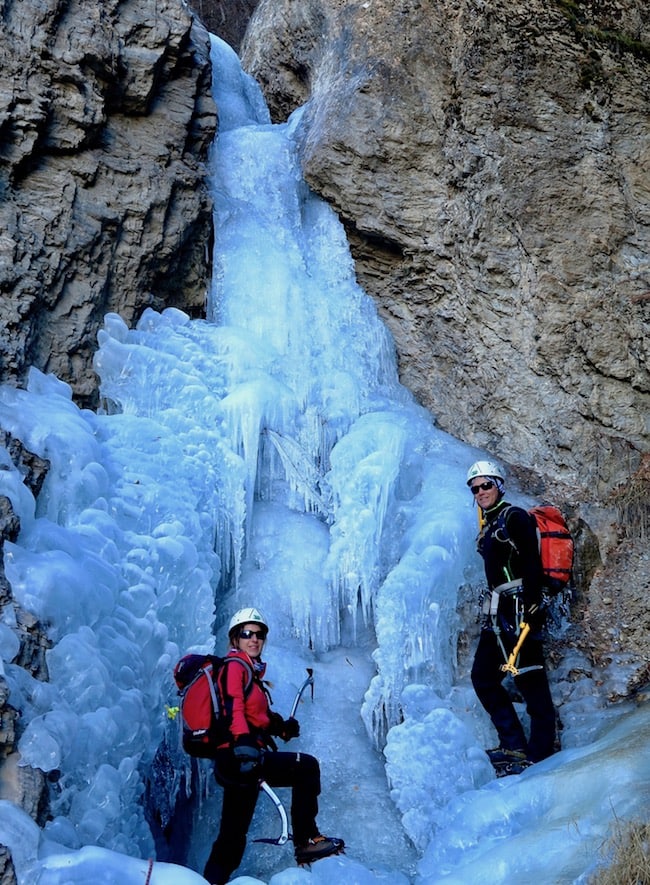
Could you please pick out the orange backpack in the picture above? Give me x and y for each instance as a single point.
(556, 545)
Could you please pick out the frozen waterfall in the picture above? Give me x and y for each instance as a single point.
(268, 455)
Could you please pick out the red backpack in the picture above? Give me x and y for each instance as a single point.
(202, 707)
(556, 545)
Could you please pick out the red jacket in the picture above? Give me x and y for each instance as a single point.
(249, 712)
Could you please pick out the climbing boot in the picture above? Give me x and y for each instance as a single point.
(506, 762)
(318, 847)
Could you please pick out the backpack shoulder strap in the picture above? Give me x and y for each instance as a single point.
(221, 665)
(208, 670)
(502, 518)
(502, 526)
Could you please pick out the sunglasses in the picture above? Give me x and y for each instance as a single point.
(484, 487)
(250, 634)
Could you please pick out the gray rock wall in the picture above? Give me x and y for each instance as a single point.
(227, 19)
(22, 785)
(105, 120)
(491, 162)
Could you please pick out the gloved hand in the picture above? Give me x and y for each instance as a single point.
(247, 753)
(290, 729)
(276, 723)
(284, 728)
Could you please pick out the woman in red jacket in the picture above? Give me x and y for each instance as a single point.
(251, 756)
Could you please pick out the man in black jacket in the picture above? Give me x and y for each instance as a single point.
(509, 546)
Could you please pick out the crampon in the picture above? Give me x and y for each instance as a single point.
(507, 762)
(317, 848)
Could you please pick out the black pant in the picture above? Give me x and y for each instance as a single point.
(487, 679)
(297, 770)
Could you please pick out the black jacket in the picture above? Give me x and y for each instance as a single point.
(510, 550)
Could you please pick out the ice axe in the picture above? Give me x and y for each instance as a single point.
(509, 666)
(284, 835)
(308, 681)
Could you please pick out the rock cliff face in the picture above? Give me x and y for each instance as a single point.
(492, 165)
(105, 120)
(227, 19)
(23, 785)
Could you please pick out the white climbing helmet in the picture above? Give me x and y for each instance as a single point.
(484, 468)
(247, 616)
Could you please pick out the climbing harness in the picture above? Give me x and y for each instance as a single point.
(490, 607)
